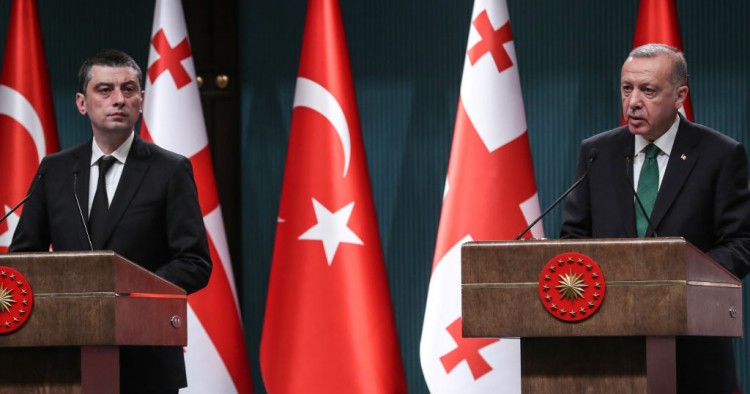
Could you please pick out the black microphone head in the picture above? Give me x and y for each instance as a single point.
(76, 169)
(593, 154)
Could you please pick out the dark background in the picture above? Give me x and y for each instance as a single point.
(406, 59)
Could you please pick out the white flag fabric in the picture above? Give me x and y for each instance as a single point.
(490, 194)
(216, 356)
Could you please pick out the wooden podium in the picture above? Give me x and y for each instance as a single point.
(86, 305)
(656, 289)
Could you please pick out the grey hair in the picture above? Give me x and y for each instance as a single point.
(679, 74)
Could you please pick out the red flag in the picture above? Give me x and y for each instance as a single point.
(329, 326)
(490, 194)
(658, 23)
(216, 356)
(27, 119)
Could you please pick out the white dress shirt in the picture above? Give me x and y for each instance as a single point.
(112, 179)
(664, 143)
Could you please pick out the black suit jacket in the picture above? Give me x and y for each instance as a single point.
(704, 197)
(154, 220)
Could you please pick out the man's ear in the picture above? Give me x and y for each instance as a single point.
(682, 93)
(81, 103)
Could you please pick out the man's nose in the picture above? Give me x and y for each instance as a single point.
(118, 97)
(635, 99)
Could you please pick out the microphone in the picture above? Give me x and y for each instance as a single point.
(593, 155)
(78, 204)
(628, 166)
(37, 178)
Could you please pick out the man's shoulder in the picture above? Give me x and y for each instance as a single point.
(146, 149)
(616, 133)
(610, 136)
(69, 153)
(706, 134)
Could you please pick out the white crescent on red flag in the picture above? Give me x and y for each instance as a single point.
(490, 194)
(329, 325)
(216, 356)
(28, 131)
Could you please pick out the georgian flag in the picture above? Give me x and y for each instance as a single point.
(216, 356)
(490, 194)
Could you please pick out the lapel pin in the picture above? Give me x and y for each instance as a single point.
(683, 157)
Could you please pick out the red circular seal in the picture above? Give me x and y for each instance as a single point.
(16, 300)
(571, 286)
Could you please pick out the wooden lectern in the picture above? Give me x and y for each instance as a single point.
(656, 289)
(86, 305)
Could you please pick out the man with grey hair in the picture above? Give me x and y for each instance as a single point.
(692, 182)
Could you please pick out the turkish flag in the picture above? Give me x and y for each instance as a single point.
(658, 23)
(490, 194)
(216, 356)
(27, 119)
(329, 325)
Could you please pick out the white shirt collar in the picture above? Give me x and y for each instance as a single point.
(665, 142)
(121, 153)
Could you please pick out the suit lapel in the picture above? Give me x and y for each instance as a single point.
(622, 176)
(681, 162)
(133, 173)
(81, 173)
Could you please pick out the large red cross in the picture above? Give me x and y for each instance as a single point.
(492, 42)
(170, 59)
(467, 349)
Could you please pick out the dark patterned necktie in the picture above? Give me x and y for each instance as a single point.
(648, 187)
(100, 205)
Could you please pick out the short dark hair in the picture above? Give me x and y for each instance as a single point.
(106, 58)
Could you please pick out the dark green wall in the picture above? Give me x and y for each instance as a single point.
(407, 59)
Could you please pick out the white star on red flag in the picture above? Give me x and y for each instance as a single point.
(331, 229)
(328, 328)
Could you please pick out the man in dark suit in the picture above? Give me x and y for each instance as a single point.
(702, 192)
(144, 206)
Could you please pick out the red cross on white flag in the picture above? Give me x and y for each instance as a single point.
(490, 194)
(27, 119)
(329, 326)
(216, 356)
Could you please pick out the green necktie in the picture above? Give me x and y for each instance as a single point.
(648, 187)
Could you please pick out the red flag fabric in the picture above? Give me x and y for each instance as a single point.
(27, 119)
(658, 23)
(329, 326)
(490, 194)
(216, 355)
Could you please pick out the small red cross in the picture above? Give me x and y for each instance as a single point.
(169, 59)
(467, 349)
(492, 42)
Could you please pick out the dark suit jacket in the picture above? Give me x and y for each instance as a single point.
(154, 220)
(704, 197)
